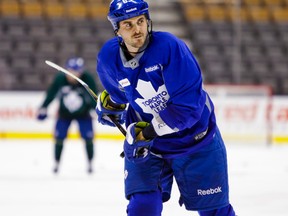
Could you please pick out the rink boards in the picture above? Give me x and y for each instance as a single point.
(242, 120)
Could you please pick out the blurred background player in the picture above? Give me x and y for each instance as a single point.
(75, 103)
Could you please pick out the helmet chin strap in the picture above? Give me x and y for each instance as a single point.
(149, 37)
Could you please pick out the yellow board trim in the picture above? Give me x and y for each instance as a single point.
(109, 136)
(280, 139)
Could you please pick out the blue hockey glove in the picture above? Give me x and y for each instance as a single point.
(135, 150)
(105, 107)
(42, 114)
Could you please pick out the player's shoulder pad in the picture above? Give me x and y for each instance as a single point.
(86, 75)
(165, 39)
(60, 76)
(109, 48)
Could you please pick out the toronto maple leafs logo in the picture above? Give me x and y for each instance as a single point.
(153, 101)
(72, 101)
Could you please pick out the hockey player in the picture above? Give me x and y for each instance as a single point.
(170, 120)
(75, 103)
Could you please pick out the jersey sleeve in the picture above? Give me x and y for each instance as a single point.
(90, 80)
(53, 89)
(108, 78)
(183, 80)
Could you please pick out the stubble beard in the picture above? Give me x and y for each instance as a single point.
(138, 42)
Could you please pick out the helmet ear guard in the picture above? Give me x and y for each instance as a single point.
(125, 9)
(150, 25)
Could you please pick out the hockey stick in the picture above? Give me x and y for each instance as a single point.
(90, 91)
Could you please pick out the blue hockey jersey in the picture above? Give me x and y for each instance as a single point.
(163, 86)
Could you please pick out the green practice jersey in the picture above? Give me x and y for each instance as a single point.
(74, 100)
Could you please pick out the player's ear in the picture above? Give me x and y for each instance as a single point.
(148, 22)
(116, 33)
(149, 25)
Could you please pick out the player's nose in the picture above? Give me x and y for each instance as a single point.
(137, 28)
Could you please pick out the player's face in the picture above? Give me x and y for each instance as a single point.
(72, 80)
(134, 32)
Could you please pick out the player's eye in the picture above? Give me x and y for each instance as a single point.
(140, 21)
(128, 25)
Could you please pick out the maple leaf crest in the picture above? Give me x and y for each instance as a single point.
(153, 101)
(72, 101)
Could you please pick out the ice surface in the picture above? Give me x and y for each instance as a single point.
(258, 181)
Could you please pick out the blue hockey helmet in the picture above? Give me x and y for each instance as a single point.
(75, 64)
(125, 9)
